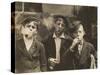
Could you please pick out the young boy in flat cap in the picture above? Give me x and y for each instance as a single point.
(30, 53)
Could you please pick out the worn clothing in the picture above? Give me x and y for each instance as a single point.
(80, 46)
(82, 60)
(51, 50)
(58, 44)
(33, 60)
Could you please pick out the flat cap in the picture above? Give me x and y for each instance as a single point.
(29, 19)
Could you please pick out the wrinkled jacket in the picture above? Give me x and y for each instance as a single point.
(51, 52)
(83, 61)
(33, 61)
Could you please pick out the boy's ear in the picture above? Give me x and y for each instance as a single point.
(22, 30)
(84, 33)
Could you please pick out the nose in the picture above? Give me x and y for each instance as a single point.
(60, 25)
(78, 34)
(30, 28)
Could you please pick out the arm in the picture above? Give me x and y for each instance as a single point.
(93, 62)
(93, 57)
(43, 61)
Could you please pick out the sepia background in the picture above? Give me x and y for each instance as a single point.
(5, 37)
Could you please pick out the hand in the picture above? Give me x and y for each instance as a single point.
(74, 43)
(52, 62)
(93, 64)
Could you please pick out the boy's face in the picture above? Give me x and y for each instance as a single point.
(79, 33)
(59, 25)
(30, 29)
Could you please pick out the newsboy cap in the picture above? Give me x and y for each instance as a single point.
(29, 19)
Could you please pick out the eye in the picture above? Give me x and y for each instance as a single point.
(63, 24)
(28, 26)
(33, 27)
(58, 23)
(79, 31)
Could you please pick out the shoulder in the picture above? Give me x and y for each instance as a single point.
(68, 38)
(38, 43)
(19, 45)
(90, 48)
(48, 39)
(89, 45)
(19, 41)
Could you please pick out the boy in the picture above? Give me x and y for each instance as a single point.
(30, 53)
(57, 44)
(84, 54)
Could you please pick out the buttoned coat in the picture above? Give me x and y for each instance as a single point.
(33, 61)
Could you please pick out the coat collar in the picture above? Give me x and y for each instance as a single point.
(61, 36)
(23, 49)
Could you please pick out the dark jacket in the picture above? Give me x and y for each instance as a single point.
(51, 50)
(33, 61)
(83, 60)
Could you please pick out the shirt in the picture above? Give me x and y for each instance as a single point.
(58, 45)
(80, 47)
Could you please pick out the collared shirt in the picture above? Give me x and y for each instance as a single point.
(80, 46)
(28, 43)
(58, 45)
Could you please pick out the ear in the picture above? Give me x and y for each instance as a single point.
(22, 30)
(84, 33)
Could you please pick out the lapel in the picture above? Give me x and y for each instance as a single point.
(83, 48)
(24, 50)
(62, 48)
(84, 51)
(52, 47)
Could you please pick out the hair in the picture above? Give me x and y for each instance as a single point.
(76, 25)
(65, 20)
(57, 17)
(30, 19)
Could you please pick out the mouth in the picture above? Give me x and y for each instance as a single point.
(26, 35)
